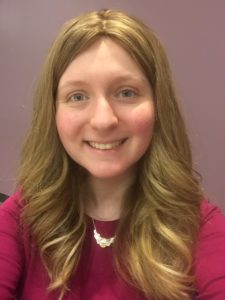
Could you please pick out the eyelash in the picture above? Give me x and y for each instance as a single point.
(84, 97)
(123, 93)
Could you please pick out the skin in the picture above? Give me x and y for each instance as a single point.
(105, 119)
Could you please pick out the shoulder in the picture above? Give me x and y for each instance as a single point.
(10, 221)
(12, 246)
(11, 225)
(210, 253)
(209, 213)
(212, 225)
(10, 210)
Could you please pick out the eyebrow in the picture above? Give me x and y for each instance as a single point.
(118, 78)
(69, 83)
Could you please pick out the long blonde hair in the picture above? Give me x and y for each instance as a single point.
(160, 222)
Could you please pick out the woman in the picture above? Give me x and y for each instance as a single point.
(108, 205)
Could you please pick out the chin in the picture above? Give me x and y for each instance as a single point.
(111, 174)
(105, 175)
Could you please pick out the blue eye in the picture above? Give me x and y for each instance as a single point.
(78, 97)
(127, 93)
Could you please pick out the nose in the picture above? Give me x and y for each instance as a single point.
(103, 116)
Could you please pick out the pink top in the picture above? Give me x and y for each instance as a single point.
(23, 276)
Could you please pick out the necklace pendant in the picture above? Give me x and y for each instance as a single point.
(101, 241)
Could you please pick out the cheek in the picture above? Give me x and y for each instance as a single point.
(143, 122)
(62, 125)
(66, 124)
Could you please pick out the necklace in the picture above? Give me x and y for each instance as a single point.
(101, 241)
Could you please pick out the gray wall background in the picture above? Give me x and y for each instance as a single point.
(193, 35)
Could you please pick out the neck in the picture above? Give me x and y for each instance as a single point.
(107, 197)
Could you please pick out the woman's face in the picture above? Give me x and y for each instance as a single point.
(105, 112)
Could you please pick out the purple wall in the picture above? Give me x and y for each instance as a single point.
(193, 34)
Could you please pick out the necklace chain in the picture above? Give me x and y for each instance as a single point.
(102, 241)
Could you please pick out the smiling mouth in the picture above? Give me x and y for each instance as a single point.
(106, 146)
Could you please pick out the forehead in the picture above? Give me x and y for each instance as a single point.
(104, 57)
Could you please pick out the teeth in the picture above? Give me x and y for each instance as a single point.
(107, 146)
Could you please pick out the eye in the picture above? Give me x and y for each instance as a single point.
(127, 93)
(77, 97)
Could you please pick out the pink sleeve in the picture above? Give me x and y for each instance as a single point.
(210, 255)
(11, 249)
